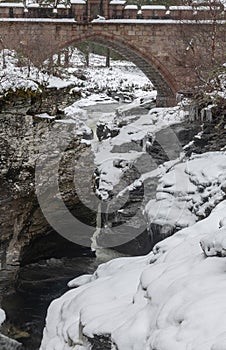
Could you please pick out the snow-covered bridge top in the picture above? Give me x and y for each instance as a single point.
(88, 10)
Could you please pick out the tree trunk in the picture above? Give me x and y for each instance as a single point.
(50, 65)
(66, 57)
(59, 59)
(87, 56)
(3, 59)
(108, 57)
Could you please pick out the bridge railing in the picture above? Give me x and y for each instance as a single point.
(82, 11)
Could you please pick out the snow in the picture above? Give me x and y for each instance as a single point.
(14, 77)
(45, 116)
(192, 8)
(189, 190)
(117, 2)
(2, 316)
(215, 244)
(119, 77)
(178, 8)
(171, 299)
(122, 77)
(39, 20)
(11, 4)
(158, 21)
(58, 83)
(131, 7)
(35, 4)
(32, 5)
(153, 7)
(77, 1)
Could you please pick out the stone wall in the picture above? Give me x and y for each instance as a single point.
(167, 53)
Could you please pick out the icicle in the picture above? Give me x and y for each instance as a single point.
(94, 244)
(202, 114)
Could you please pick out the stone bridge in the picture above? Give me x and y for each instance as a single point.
(171, 53)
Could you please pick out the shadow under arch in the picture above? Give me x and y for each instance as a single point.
(161, 79)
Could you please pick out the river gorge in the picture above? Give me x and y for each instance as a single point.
(116, 146)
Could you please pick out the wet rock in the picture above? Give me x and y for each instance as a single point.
(22, 141)
(159, 232)
(101, 342)
(103, 131)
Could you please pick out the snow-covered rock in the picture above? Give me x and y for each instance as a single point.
(131, 142)
(215, 244)
(2, 316)
(189, 190)
(171, 299)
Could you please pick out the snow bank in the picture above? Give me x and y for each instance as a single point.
(122, 76)
(189, 190)
(14, 77)
(172, 299)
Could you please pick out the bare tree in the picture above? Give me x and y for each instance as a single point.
(202, 48)
(3, 52)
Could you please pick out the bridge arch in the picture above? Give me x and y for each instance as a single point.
(159, 76)
(159, 48)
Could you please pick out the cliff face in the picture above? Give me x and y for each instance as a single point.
(22, 138)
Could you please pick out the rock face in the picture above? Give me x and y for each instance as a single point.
(22, 139)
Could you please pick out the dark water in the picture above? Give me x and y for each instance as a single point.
(35, 287)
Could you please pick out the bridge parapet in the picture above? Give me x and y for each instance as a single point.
(88, 10)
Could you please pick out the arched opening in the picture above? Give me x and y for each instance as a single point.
(161, 79)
